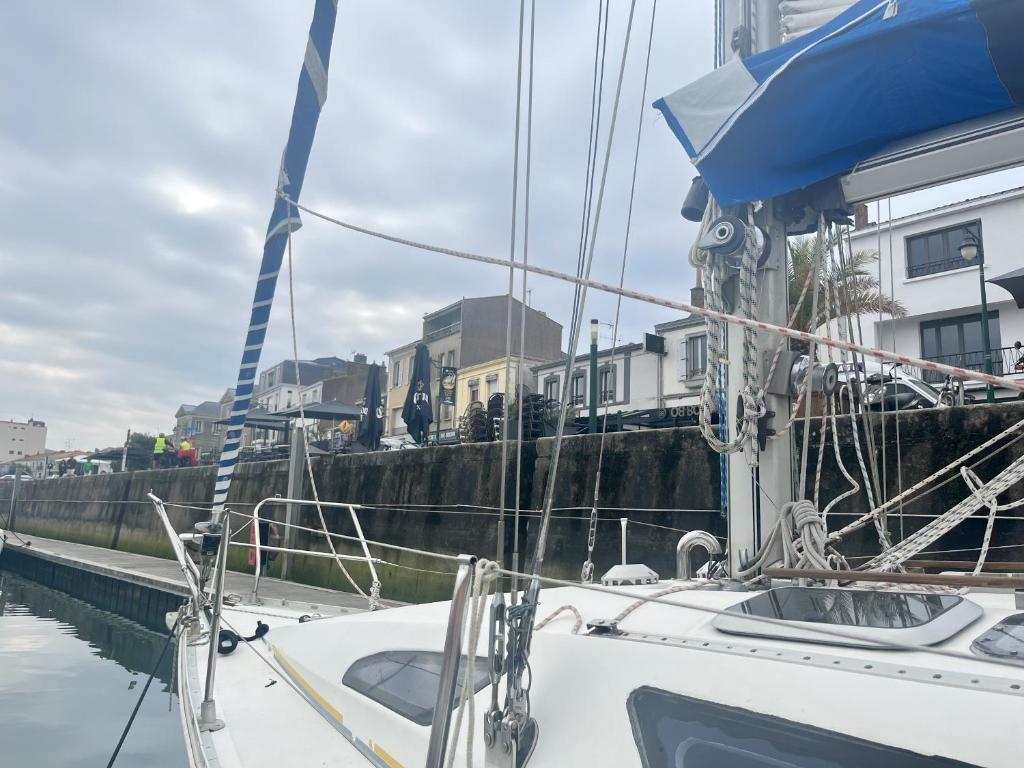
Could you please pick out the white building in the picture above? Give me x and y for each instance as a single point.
(21, 438)
(941, 291)
(666, 370)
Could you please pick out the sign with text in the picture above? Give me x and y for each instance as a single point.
(448, 379)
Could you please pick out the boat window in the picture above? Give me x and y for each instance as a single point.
(406, 681)
(1003, 641)
(864, 617)
(674, 731)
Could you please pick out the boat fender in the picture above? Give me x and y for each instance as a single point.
(227, 640)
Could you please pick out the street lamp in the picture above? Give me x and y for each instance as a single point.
(970, 249)
(593, 376)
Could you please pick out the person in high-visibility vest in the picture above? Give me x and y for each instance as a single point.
(158, 450)
(184, 455)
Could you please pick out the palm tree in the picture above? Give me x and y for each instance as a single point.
(858, 289)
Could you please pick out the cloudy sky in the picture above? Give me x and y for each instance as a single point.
(139, 156)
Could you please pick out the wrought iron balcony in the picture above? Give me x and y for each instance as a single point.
(1005, 361)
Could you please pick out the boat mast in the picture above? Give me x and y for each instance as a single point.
(309, 100)
(756, 494)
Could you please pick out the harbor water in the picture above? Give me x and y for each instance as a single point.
(70, 675)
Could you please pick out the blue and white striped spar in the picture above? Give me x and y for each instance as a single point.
(312, 93)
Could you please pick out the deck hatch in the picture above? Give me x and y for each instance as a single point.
(1004, 640)
(675, 731)
(406, 681)
(866, 618)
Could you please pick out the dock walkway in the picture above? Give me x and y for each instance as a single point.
(155, 573)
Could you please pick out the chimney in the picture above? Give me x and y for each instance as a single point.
(860, 216)
(359, 357)
(697, 292)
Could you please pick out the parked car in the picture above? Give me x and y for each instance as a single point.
(25, 478)
(887, 386)
(397, 443)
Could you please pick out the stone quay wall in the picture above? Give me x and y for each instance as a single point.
(445, 499)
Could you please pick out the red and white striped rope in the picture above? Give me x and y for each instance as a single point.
(828, 341)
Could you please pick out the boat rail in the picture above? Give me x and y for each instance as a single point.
(256, 519)
(193, 580)
(686, 543)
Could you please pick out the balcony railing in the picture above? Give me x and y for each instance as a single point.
(935, 267)
(440, 333)
(1004, 362)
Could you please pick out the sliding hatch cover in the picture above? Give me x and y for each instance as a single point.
(865, 618)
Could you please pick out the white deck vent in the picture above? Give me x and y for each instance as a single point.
(631, 574)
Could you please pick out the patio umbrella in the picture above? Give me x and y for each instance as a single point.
(1012, 282)
(419, 408)
(371, 425)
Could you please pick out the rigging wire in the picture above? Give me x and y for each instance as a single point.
(542, 535)
(881, 343)
(375, 587)
(896, 370)
(819, 247)
(500, 557)
(869, 430)
(596, 98)
(521, 379)
(588, 566)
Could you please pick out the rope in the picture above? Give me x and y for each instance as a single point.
(869, 431)
(373, 597)
(661, 593)
(854, 485)
(587, 572)
(976, 486)
(881, 528)
(484, 576)
(873, 514)
(801, 533)
(819, 248)
(715, 270)
(927, 535)
(567, 608)
(142, 695)
(682, 306)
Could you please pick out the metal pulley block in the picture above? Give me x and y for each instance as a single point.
(727, 237)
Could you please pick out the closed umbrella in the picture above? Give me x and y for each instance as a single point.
(371, 424)
(419, 408)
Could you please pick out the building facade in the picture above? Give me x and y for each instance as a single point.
(277, 388)
(468, 333)
(476, 383)
(199, 424)
(666, 370)
(921, 266)
(21, 438)
(347, 386)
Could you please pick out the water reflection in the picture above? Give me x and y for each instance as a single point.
(69, 677)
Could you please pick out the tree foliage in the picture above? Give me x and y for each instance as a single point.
(858, 289)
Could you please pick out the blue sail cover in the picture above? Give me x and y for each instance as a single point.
(309, 100)
(816, 106)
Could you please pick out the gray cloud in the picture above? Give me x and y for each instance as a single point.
(141, 151)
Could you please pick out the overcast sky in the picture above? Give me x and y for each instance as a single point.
(139, 154)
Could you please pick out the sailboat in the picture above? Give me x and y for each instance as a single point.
(774, 652)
